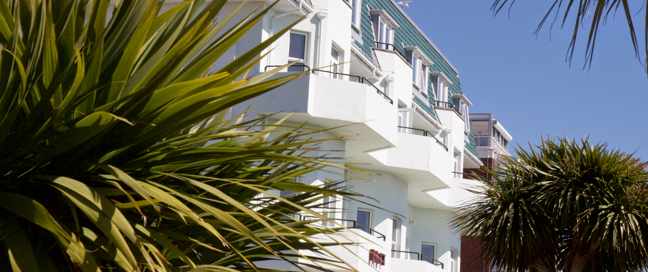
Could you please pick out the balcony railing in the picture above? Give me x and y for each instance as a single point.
(390, 47)
(350, 77)
(421, 132)
(471, 144)
(447, 106)
(295, 67)
(345, 223)
(398, 253)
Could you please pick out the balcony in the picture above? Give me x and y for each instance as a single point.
(362, 250)
(444, 105)
(471, 155)
(421, 132)
(390, 48)
(343, 223)
(420, 159)
(412, 261)
(350, 105)
(459, 193)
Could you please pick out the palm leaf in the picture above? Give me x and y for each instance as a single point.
(113, 148)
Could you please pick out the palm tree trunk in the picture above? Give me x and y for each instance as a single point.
(578, 263)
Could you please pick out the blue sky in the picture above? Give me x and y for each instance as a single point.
(524, 79)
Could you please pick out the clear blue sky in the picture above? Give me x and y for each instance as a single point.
(524, 79)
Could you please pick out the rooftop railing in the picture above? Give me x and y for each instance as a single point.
(421, 132)
(337, 75)
(390, 47)
(399, 253)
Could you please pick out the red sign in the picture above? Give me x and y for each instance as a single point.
(376, 258)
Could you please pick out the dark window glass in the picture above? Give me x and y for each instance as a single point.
(427, 253)
(364, 220)
(297, 46)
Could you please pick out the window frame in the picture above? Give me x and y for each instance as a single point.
(397, 241)
(336, 65)
(420, 73)
(369, 223)
(292, 59)
(356, 14)
(384, 29)
(434, 250)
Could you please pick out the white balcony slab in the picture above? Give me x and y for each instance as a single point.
(354, 111)
(414, 265)
(421, 161)
(461, 192)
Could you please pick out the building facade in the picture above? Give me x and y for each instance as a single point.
(491, 139)
(397, 106)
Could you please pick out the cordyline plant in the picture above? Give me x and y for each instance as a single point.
(563, 206)
(114, 154)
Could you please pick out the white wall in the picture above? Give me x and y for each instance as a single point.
(328, 100)
(433, 226)
(384, 191)
(400, 73)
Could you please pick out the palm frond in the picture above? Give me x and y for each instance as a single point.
(584, 17)
(114, 154)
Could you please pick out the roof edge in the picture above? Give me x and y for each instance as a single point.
(424, 35)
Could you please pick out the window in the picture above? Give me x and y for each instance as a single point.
(403, 118)
(336, 61)
(422, 76)
(383, 32)
(420, 71)
(441, 89)
(298, 50)
(356, 13)
(428, 252)
(454, 255)
(466, 115)
(363, 220)
(329, 207)
(458, 165)
(396, 234)
(385, 85)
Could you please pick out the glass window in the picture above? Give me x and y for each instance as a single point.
(364, 220)
(396, 234)
(427, 252)
(336, 62)
(298, 50)
(297, 46)
(414, 71)
(356, 13)
(423, 79)
(383, 33)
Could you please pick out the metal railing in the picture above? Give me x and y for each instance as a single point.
(398, 253)
(359, 79)
(337, 75)
(303, 67)
(418, 255)
(421, 132)
(447, 106)
(471, 144)
(390, 47)
(345, 223)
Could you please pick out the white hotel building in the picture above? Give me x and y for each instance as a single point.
(402, 115)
